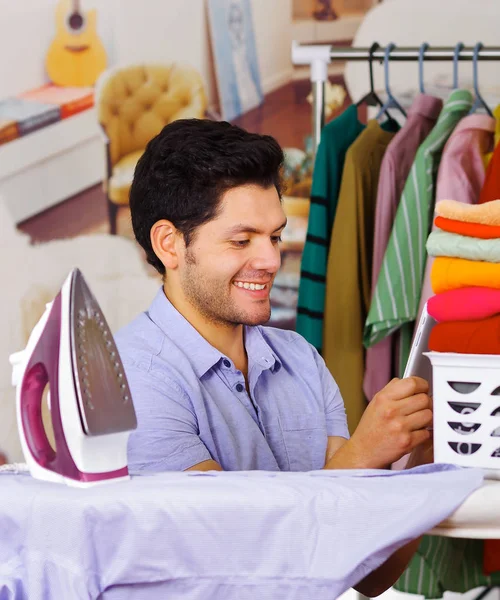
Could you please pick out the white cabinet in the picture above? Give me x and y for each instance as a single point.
(52, 164)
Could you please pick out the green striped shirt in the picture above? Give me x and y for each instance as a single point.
(446, 565)
(336, 138)
(397, 293)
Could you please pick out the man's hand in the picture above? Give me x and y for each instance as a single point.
(394, 423)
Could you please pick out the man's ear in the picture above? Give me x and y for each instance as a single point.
(164, 238)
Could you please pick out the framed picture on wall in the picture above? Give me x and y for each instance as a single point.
(235, 56)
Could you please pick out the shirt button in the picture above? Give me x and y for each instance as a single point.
(239, 387)
(226, 363)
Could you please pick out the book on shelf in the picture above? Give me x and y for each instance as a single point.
(70, 100)
(8, 131)
(28, 115)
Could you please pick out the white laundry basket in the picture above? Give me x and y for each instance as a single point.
(466, 393)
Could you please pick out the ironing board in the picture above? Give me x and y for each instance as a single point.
(477, 518)
(216, 535)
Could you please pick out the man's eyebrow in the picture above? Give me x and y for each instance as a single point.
(249, 229)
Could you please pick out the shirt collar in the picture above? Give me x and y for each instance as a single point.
(458, 100)
(259, 351)
(482, 122)
(201, 354)
(426, 106)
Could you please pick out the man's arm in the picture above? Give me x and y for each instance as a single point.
(380, 580)
(206, 465)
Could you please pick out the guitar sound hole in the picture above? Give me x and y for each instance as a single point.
(75, 21)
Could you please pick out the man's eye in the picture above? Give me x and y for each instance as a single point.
(240, 243)
(276, 239)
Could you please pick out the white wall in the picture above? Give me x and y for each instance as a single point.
(134, 30)
(440, 23)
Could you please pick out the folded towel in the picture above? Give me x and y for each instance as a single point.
(442, 243)
(477, 230)
(487, 214)
(464, 304)
(467, 337)
(452, 273)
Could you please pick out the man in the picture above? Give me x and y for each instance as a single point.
(212, 388)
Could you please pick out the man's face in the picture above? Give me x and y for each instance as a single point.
(228, 270)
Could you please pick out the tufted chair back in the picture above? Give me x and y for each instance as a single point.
(134, 103)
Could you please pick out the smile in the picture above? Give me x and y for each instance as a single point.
(249, 286)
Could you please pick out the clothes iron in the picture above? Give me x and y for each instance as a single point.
(72, 350)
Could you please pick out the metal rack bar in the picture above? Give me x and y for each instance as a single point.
(318, 56)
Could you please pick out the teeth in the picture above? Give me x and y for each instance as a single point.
(250, 286)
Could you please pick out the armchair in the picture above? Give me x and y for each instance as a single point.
(133, 105)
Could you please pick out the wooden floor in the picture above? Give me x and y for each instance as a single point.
(285, 114)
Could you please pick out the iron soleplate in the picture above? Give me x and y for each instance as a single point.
(104, 398)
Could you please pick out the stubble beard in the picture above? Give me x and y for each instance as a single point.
(212, 298)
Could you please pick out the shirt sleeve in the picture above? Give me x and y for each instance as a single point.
(336, 419)
(167, 436)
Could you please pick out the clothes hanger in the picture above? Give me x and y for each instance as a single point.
(458, 48)
(391, 101)
(479, 101)
(421, 54)
(371, 98)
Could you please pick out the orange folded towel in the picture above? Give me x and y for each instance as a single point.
(477, 230)
(467, 337)
(453, 273)
(487, 214)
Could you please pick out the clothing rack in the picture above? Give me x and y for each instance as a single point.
(318, 57)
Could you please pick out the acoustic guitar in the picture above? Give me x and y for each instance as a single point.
(76, 56)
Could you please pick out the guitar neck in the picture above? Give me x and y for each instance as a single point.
(76, 6)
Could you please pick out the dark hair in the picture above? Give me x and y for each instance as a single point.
(186, 169)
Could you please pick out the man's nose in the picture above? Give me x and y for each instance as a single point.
(267, 258)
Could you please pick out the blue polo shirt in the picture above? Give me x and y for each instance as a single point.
(192, 404)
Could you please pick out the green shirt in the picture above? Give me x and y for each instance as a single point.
(397, 293)
(446, 565)
(336, 138)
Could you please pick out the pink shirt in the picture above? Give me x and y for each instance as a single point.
(394, 171)
(461, 173)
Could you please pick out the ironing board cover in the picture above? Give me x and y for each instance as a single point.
(230, 536)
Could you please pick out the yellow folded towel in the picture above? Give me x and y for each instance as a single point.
(453, 273)
(486, 214)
